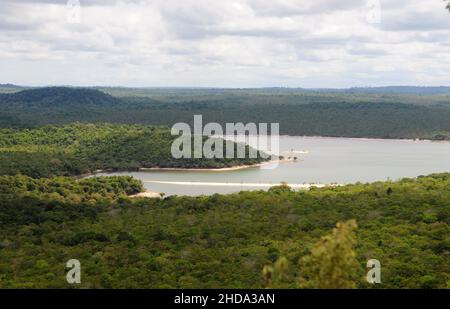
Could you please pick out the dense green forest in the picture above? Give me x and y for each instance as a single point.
(222, 240)
(351, 113)
(70, 189)
(78, 148)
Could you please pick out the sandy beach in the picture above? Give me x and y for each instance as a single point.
(304, 186)
(151, 194)
(223, 169)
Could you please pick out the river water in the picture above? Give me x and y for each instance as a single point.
(320, 160)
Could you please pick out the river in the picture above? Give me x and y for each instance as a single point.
(320, 160)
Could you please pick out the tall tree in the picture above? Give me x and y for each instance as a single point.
(332, 263)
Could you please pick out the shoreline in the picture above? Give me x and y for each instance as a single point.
(182, 169)
(306, 186)
(399, 139)
(221, 169)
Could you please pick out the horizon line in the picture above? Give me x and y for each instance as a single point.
(219, 87)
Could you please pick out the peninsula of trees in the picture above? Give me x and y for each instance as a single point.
(78, 148)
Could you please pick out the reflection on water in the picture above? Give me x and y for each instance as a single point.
(321, 160)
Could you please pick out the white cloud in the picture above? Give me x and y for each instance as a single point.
(236, 43)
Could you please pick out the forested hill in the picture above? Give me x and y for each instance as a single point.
(82, 148)
(339, 114)
(35, 107)
(58, 96)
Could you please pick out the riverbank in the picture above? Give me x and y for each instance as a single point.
(222, 169)
(394, 139)
(304, 186)
(183, 169)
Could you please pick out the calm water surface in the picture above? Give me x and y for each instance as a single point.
(328, 160)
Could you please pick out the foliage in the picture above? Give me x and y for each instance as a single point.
(332, 263)
(277, 275)
(83, 148)
(70, 189)
(392, 112)
(224, 241)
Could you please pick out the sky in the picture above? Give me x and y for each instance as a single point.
(226, 43)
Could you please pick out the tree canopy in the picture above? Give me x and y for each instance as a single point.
(79, 148)
(391, 112)
(224, 241)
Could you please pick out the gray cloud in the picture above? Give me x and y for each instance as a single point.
(311, 43)
(416, 21)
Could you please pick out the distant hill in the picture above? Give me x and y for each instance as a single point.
(54, 105)
(8, 88)
(59, 96)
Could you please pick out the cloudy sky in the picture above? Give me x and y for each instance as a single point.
(226, 43)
